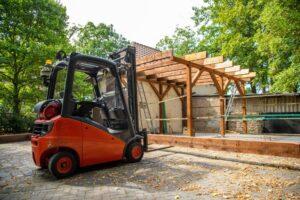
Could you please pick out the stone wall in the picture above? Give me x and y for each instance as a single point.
(208, 106)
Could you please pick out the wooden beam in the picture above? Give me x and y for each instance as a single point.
(196, 76)
(166, 91)
(192, 64)
(153, 76)
(189, 110)
(244, 109)
(216, 83)
(242, 72)
(155, 81)
(166, 65)
(178, 93)
(225, 64)
(160, 90)
(226, 84)
(155, 90)
(239, 88)
(213, 60)
(195, 56)
(264, 147)
(233, 69)
(222, 119)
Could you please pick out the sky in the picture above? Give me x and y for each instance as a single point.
(142, 21)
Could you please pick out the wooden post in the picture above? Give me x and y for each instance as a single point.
(244, 110)
(160, 90)
(222, 119)
(189, 112)
(183, 109)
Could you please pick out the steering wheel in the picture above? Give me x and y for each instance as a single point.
(85, 107)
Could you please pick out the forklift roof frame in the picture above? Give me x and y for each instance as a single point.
(91, 65)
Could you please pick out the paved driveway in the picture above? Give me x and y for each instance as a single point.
(168, 173)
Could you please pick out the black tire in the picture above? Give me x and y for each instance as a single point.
(129, 152)
(59, 171)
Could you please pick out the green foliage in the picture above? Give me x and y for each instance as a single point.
(98, 40)
(30, 32)
(11, 123)
(262, 35)
(182, 42)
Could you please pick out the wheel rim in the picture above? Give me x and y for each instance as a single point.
(64, 165)
(136, 152)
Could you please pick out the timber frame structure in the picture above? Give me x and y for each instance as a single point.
(182, 73)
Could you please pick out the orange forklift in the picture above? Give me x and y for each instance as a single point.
(66, 134)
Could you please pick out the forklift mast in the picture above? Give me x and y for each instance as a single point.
(125, 58)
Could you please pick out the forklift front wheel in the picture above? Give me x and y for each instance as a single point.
(134, 152)
(62, 164)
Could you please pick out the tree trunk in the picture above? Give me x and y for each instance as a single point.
(253, 88)
(15, 96)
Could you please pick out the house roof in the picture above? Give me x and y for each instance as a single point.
(143, 50)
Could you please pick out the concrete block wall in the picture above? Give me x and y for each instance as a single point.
(209, 106)
(206, 107)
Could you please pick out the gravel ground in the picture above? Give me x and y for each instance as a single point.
(164, 173)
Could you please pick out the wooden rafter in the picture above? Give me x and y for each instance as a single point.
(192, 64)
(165, 69)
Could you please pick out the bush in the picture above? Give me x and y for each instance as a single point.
(10, 123)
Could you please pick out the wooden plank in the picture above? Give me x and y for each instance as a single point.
(225, 64)
(195, 56)
(160, 65)
(213, 60)
(249, 75)
(233, 69)
(192, 64)
(242, 72)
(273, 148)
(156, 82)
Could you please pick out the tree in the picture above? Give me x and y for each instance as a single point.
(278, 40)
(183, 41)
(262, 35)
(98, 40)
(31, 31)
(229, 27)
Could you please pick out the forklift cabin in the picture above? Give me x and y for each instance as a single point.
(67, 136)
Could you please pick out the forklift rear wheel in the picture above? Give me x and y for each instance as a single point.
(134, 152)
(62, 164)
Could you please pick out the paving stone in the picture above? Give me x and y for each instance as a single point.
(170, 173)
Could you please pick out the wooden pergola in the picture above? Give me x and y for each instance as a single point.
(183, 73)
